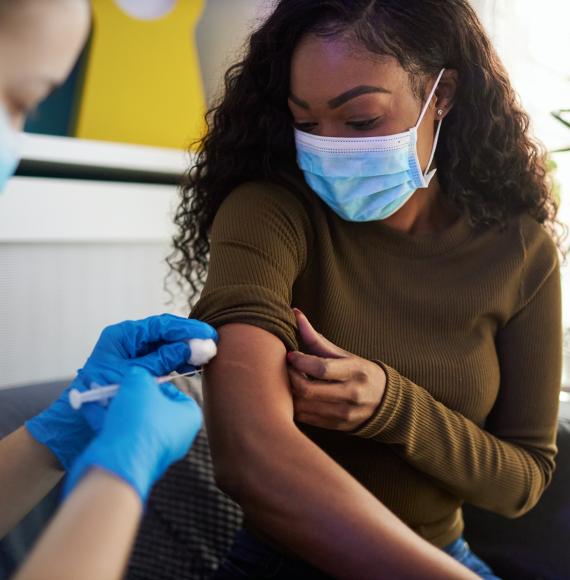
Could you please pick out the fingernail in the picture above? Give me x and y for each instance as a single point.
(291, 355)
(297, 311)
(181, 350)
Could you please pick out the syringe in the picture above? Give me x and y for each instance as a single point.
(202, 351)
(103, 394)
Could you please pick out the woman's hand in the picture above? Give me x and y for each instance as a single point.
(332, 388)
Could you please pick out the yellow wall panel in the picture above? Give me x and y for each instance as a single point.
(143, 81)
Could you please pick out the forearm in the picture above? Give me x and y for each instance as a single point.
(297, 495)
(290, 488)
(505, 466)
(483, 469)
(91, 536)
(28, 472)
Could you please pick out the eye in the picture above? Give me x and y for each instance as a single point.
(306, 127)
(364, 125)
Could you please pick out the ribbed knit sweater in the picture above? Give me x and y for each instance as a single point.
(466, 324)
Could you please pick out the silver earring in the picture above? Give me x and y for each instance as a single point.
(440, 112)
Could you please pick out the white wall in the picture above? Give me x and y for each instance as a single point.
(74, 257)
(221, 35)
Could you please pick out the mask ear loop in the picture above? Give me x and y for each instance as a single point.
(428, 176)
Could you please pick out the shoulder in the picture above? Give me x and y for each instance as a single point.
(253, 201)
(266, 215)
(537, 242)
(539, 255)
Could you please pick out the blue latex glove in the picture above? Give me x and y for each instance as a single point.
(153, 343)
(146, 428)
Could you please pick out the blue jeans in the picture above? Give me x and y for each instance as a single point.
(250, 558)
(461, 551)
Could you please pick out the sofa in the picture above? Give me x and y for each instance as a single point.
(534, 546)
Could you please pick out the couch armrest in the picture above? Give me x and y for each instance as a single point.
(18, 404)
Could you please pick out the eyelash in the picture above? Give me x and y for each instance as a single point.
(364, 125)
(356, 125)
(306, 127)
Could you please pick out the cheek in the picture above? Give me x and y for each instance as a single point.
(426, 135)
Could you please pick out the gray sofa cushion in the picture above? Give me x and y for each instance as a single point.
(18, 404)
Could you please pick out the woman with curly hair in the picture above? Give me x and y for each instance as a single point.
(370, 165)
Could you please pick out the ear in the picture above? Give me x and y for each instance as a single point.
(445, 92)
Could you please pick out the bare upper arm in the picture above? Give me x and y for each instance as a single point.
(246, 393)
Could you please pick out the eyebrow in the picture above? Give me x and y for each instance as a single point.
(344, 97)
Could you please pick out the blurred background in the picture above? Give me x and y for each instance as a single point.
(85, 226)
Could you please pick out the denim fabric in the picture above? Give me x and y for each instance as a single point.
(250, 558)
(461, 551)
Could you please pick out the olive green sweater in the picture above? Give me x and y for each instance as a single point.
(466, 324)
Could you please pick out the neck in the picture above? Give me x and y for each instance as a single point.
(424, 213)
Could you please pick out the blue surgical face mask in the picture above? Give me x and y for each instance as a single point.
(369, 178)
(9, 149)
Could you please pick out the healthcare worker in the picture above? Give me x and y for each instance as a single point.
(117, 452)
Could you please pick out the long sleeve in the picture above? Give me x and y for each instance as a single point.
(259, 245)
(506, 466)
(466, 323)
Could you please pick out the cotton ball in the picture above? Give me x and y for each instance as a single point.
(201, 351)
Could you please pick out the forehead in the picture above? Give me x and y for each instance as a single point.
(322, 68)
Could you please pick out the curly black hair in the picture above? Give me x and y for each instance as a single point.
(489, 167)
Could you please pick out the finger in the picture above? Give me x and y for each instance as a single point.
(94, 413)
(316, 343)
(104, 374)
(340, 416)
(134, 338)
(174, 393)
(318, 391)
(138, 376)
(325, 369)
(320, 421)
(170, 328)
(326, 410)
(165, 359)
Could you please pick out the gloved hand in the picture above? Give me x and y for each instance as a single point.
(146, 428)
(158, 343)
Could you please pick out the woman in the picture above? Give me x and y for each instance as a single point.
(369, 164)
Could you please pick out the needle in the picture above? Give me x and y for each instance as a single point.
(104, 393)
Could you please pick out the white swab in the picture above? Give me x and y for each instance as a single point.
(201, 351)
